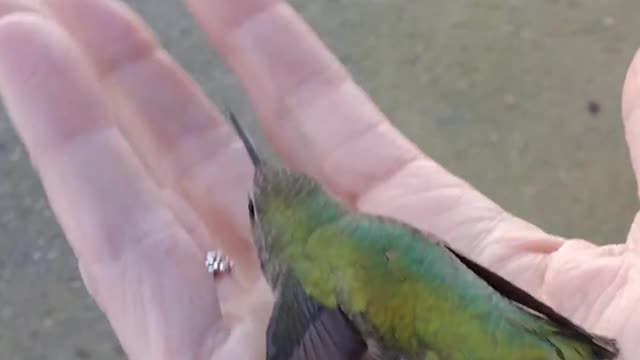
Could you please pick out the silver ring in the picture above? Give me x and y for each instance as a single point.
(218, 263)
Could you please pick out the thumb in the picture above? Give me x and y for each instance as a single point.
(631, 121)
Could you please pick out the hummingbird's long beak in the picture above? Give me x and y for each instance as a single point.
(246, 140)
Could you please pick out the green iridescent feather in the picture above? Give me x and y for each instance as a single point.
(389, 289)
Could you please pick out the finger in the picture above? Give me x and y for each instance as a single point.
(631, 112)
(13, 6)
(177, 133)
(314, 114)
(633, 237)
(631, 121)
(129, 246)
(320, 121)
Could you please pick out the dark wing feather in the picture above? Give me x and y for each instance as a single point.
(604, 348)
(302, 329)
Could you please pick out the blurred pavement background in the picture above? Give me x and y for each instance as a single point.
(521, 98)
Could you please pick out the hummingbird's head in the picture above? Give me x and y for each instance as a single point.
(284, 207)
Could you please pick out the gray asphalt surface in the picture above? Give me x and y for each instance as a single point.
(497, 91)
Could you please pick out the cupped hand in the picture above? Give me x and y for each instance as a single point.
(144, 174)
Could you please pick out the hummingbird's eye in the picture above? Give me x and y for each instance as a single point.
(252, 210)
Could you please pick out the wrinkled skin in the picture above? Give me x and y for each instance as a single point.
(140, 169)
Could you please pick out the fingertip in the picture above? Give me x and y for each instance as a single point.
(633, 237)
(15, 6)
(631, 88)
(26, 40)
(46, 84)
(21, 28)
(218, 16)
(630, 113)
(109, 31)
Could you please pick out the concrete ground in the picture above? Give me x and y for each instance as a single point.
(519, 97)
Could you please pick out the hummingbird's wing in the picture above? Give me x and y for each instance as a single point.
(604, 348)
(302, 329)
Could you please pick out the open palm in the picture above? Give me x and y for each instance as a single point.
(144, 175)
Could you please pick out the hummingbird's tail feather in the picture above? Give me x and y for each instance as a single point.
(606, 348)
(603, 348)
(599, 348)
(246, 140)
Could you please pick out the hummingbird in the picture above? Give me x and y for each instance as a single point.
(349, 285)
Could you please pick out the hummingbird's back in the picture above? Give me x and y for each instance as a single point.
(415, 294)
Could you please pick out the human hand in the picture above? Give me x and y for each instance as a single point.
(144, 175)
